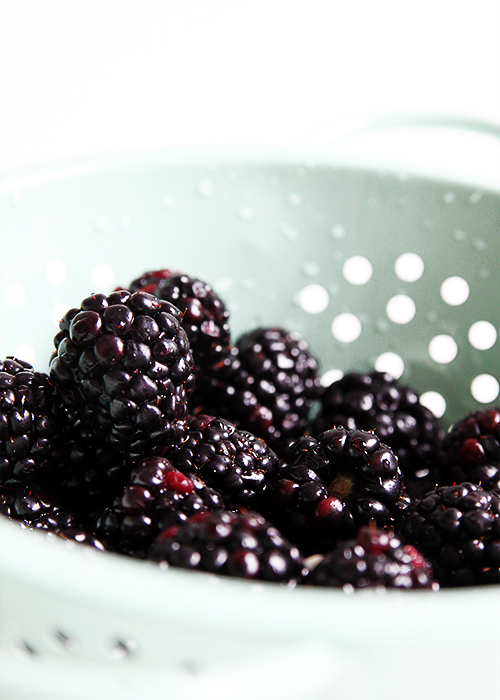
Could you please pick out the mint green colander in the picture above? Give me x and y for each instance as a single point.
(377, 270)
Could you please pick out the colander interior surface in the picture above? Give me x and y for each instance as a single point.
(376, 270)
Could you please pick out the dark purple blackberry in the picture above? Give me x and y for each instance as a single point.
(157, 496)
(233, 544)
(374, 559)
(205, 320)
(333, 485)
(148, 281)
(32, 423)
(36, 510)
(376, 401)
(267, 384)
(239, 465)
(124, 363)
(458, 529)
(470, 451)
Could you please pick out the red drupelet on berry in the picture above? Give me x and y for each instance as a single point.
(124, 363)
(375, 558)
(333, 485)
(157, 496)
(148, 281)
(376, 401)
(458, 529)
(266, 384)
(470, 451)
(239, 465)
(232, 544)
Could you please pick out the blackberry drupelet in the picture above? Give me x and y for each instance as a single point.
(32, 423)
(335, 484)
(267, 384)
(239, 465)
(205, 320)
(374, 558)
(376, 401)
(470, 451)
(157, 496)
(457, 528)
(233, 544)
(123, 362)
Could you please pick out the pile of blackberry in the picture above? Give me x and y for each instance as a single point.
(156, 435)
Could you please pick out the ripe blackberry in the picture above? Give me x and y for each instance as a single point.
(333, 485)
(239, 465)
(267, 385)
(35, 509)
(374, 558)
(458, 529)
(205, 320)
(157, 496)
(32, 422)
(148, 281)
(471, 450)
(233, 544)
(376, 401)
(124, 363)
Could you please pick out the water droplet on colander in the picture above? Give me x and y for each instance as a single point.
(288, 231)
(101, 223)
(459, 235)
(205, 187)
(484, 273)
(222, 285)
(338, 232)
(449, 197)
(294, 199)
(246, 213)
(476, 197)
(273, 180)
(311, 269)
(479, 244)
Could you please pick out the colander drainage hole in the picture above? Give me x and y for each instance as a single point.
(64, 641)
(27, 649)
(122, 649)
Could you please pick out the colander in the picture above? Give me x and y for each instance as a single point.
(375, 268)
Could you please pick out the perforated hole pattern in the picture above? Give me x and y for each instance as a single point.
(375, 270)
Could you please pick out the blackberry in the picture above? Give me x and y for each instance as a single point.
(376, 401)
(267, 384)
(471, 450)
(234, 462)
(157, 496)
(123, 362)
(374, 558)
(233, 544)
(148, 281)
(32, 422)
(205, 320)
(458, 529)
(34, 509)
(335, 484)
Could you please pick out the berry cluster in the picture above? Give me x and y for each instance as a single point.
(156, 435)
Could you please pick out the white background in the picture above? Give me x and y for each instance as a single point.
(85, 77)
